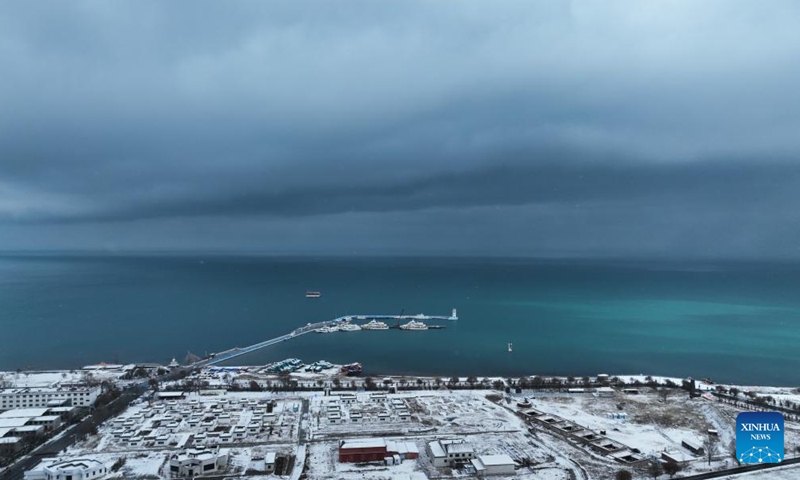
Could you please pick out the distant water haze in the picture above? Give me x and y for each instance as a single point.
(734, 322)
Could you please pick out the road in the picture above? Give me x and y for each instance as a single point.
(743, 469)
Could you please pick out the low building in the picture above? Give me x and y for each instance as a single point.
(362, 450)
(29, 431)
(171, 395)
(10, 445)
(605, 392)
(269, 462)
(693, 447)
(377, 397)
(487, 465)
(76, 469)
(675, 457)
(18, 418)
(401, 449)
(192, 463)
(49, 422)
(446, 453)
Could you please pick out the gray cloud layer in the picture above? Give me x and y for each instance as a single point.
(518, 128)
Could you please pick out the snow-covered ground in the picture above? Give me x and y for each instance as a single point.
(651, 425)
(150, 420)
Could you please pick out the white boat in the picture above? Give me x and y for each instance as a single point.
(349, 327)
(510, 347)
(327, 329)
(375, 325)
(414, 325)
(420, 316)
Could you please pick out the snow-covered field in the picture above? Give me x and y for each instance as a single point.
(648, 424)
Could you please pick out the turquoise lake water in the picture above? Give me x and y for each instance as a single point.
(734, 322)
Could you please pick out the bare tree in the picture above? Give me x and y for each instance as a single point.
(711, 448)
(672, 468)
(664, 393)
(655, 469)
(623, 475)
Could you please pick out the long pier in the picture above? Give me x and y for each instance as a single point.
(239, 351)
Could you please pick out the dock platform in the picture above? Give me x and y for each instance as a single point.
(216, 358)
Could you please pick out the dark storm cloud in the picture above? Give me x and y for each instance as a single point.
(591, 119)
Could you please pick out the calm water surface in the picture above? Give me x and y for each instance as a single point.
(732, 322)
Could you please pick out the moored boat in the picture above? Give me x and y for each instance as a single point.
(375, 325)
(414, 325)
(349, 327)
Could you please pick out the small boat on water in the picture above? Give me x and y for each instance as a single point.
(414, 325)
(313, 294)
(510, 347)
(375, 325)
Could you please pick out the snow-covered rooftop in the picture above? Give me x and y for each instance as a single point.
(13, 422)
(24, 413)
(436, 449)
(364, 443)
(499, 459)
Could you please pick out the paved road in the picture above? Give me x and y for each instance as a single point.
(740, 470)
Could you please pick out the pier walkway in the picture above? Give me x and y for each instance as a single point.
(220, 357)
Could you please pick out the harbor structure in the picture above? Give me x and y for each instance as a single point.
(319, 327)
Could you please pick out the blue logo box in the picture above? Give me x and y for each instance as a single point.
(759, 437)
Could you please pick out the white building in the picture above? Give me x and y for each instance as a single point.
(487, 465)
(269, 462)
(446, 453)
(197, 462)
(77, 395)
(77, 469)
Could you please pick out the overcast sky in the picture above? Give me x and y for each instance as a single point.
(541, 128)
